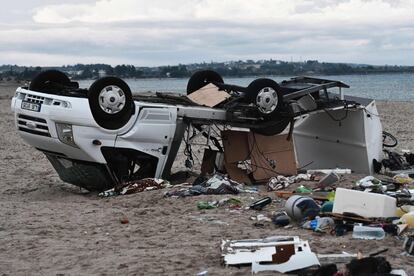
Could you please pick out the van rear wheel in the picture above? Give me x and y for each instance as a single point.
(266, 95)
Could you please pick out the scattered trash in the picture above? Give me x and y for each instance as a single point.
(364, 203)
(217, 184)
(368, 265)
(280, 182)
(137, 186)
(280, 219)
(302, 189)
(124, 220)
(301, 207)
(281, 254)
(402, 178)
(335, 258)
(207, 204)
(327, 207)
(399, 272)
(408, 245)
(319, 224)
(408, 219)
(368, 233)
(202, 273)
(327, 181)
(328, 171)
(231, 203)
(261, 217)
(368, 182)
(261, 203)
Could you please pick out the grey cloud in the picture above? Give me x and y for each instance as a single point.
(153, 42)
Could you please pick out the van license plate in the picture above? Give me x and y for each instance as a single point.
(31, 106)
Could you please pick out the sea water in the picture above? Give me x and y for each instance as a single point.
(390, 87)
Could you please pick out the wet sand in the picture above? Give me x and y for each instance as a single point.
(48, 227)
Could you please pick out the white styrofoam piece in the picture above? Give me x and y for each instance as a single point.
(364, 203)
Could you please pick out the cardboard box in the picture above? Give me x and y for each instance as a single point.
(268, 155)
(271, 156)
(209, 95)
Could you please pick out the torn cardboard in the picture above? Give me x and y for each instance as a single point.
(271, 156)
(208, 95)
(268, 156)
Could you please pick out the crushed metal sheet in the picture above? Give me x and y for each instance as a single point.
(278, 253)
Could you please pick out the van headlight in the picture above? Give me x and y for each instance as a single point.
(65, 134)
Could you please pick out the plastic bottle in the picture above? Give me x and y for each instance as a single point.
(408, 219)
(368, 233)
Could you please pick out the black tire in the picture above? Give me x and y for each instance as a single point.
(258, 85)
(106, 119)
(50, 81)
(274, 128)
(389, 140)
(201, 78)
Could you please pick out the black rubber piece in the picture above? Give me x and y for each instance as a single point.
(257, 85)
(106, 120)
(50, 81)
(201, 78)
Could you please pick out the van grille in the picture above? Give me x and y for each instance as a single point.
(34, 99)
(33, 125)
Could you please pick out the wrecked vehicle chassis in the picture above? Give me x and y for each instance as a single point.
(97, 139)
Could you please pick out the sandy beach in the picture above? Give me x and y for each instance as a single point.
(48, 227)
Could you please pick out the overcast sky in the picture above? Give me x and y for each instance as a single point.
(161, 32)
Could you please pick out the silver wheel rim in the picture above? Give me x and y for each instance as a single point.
(112, 99)
(267, 100)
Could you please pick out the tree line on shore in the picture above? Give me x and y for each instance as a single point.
(230, 69)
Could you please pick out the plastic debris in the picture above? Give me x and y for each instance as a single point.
(328, 171)
(261, 203)
(303, 189)
(319, 224)
(368, 182)
(368, 233)
(408, 245)
(301, 207)
(207, 204)
(282, 254)
(402, 178)
(136, 186)
(408, 219)
(217, 184)
(281, 219)
(328, 180)
(261, 217)
(280, 182)
(327, 207)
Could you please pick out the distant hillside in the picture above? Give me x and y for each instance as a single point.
(232, 68)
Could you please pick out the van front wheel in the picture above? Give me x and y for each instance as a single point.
(110, 101)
